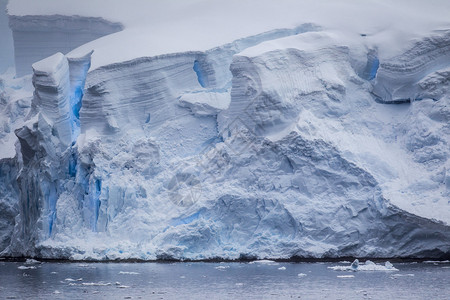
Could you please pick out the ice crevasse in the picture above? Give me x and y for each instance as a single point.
(302, 142)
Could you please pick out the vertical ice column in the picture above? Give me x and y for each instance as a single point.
(51, 80)
(45, 157)
(78, 68)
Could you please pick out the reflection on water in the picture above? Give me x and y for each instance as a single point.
(261, 280)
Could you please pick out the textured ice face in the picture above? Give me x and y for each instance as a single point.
(271, 146)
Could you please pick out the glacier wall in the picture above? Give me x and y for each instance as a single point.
(44, 149)
(275, 146)
(9, 196)
(37, 37)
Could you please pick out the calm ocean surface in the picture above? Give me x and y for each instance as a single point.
(259, 280)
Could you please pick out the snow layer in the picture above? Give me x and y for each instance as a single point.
(159, 27)
(259, 142)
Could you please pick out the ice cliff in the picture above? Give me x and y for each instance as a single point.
(301, 142)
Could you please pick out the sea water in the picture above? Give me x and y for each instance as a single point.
(202, 280)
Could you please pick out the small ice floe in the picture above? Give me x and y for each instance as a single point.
(367, 266)
(71, 279)
(26, 267)
(123, 286)
(53, 272)
(239, 284)
(344, 262)
(436, 262)
(222, 268)
(31, 261)
(264, 261)
(128, 273)
(101, 283)
(56, 292)
(282, 268)
(345, 276)
(87, 266)
(182, 276)
(301, 275)
(402, 275)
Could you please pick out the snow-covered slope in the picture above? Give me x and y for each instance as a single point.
(209, 131)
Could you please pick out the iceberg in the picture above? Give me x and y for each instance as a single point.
(298, 137)
(367, 266)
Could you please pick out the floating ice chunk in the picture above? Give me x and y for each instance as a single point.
(368, 266)
(123, 286)
(371, 266)
(345, 276)
(301, 275)
(341, 268)
(436, 262)
(402, 275)
(31, 261)
(56, 292)
(264, 261)
(282, 268)
(101, 283)
(71, 279)
(221, 267)
(128, 273)
(388, 265)
(355, 264)
(26, 267)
